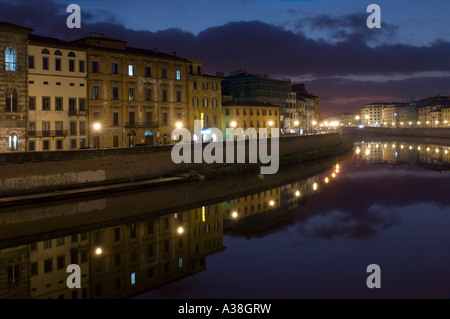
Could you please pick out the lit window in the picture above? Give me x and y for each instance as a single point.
(133, 278)
(130, 70)
(10, 59)
(13, 142)
(178, 75)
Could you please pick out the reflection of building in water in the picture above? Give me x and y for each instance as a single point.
(115, 262)
(256, 213)
(140, 256)
(427, 155)
(299, 191)
(372, 152)
(14, 273)
(48, 264)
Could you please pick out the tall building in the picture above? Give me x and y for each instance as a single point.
(309, 106)
(57, 105)
(135, 96)
(13, 84)
(204, 101)
(371, 114)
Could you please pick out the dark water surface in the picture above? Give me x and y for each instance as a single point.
(388, 204)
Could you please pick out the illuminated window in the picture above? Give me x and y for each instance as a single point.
(178, 75)
(10, 59)
(13, 142)
(130, 70)
(133, 278)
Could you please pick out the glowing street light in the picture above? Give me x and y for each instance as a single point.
(233, 124)
(97, 126)
(98, 251)
(297, 193)
(234, 214)
(271, 203)
(178, 125)
(270, 123)
(180, 230)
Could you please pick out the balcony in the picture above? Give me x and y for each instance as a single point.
(46, 133)
(143, 125)
(77, 112)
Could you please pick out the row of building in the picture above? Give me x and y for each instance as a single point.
(99, 92)
(428, 112)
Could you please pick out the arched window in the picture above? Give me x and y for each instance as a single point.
(71, 54)
(11, 100)
(10, 59)
(57, 52)
(13, 142)
(45, 51)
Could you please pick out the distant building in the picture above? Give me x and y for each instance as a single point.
(399, 115)
(246, 115)
(371, 114)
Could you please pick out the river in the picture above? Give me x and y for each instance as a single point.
(386, 205)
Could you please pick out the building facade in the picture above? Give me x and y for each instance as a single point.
(247, 115)
(371, 114)
(57, 105)
(135, 96)
(14, 89)
(204, 102)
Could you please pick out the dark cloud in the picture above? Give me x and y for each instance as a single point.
(267, 49)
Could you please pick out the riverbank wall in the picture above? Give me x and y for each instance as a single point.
(37, 172)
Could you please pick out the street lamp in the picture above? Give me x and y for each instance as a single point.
(233, 124)
(314, 126)
(97, 127)
(178, 125)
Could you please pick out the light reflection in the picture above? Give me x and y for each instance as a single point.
(315, 186)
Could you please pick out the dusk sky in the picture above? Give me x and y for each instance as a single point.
(322, 43)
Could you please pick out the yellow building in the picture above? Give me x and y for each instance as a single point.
(241, 114)
(204, 100)
(57, 106)
(135, 96)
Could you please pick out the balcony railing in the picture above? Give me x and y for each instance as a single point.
(77, 112)
(63, 133)
(142, 125)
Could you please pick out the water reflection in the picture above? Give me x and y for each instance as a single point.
(430, 156)
(325, 226)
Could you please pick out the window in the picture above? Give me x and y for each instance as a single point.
(82, 128)
(95, 67)
(73, 128)
(164, 73)
(227, 112)
(48, 265)
(215, 104)
(178, 75)
(31, 62)
(130, 70)
(58, 64)
(72, 65)
(45, 103)
(45, 63)
(130, 94)
(34, 269)
(115, 68)
(133, 231)
(61, 262)
(81, 65)
(165, 118)
(195, 101)
(59, 103)
(115, 93)
(115, 118)
(148, 71)
(164, 95)
(95, 92)
(11, 100)
(205, 102)
(45, 145)
(10, 59)
(13, 142)
(117, 234)
(31, 146)
(132, 255)
(115, 141)
(82, 105)
(205, 86)
(117, 260)
(178, 96)
(199, 70)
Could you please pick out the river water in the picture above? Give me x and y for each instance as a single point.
(388, 205)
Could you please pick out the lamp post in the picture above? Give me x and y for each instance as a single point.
(97, 128)
(296, 123)
(314, 126)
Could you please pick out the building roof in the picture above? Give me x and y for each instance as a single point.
(247, 103)
(41, 40)
(7, 25)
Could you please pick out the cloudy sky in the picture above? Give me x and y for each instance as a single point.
(322, 43)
